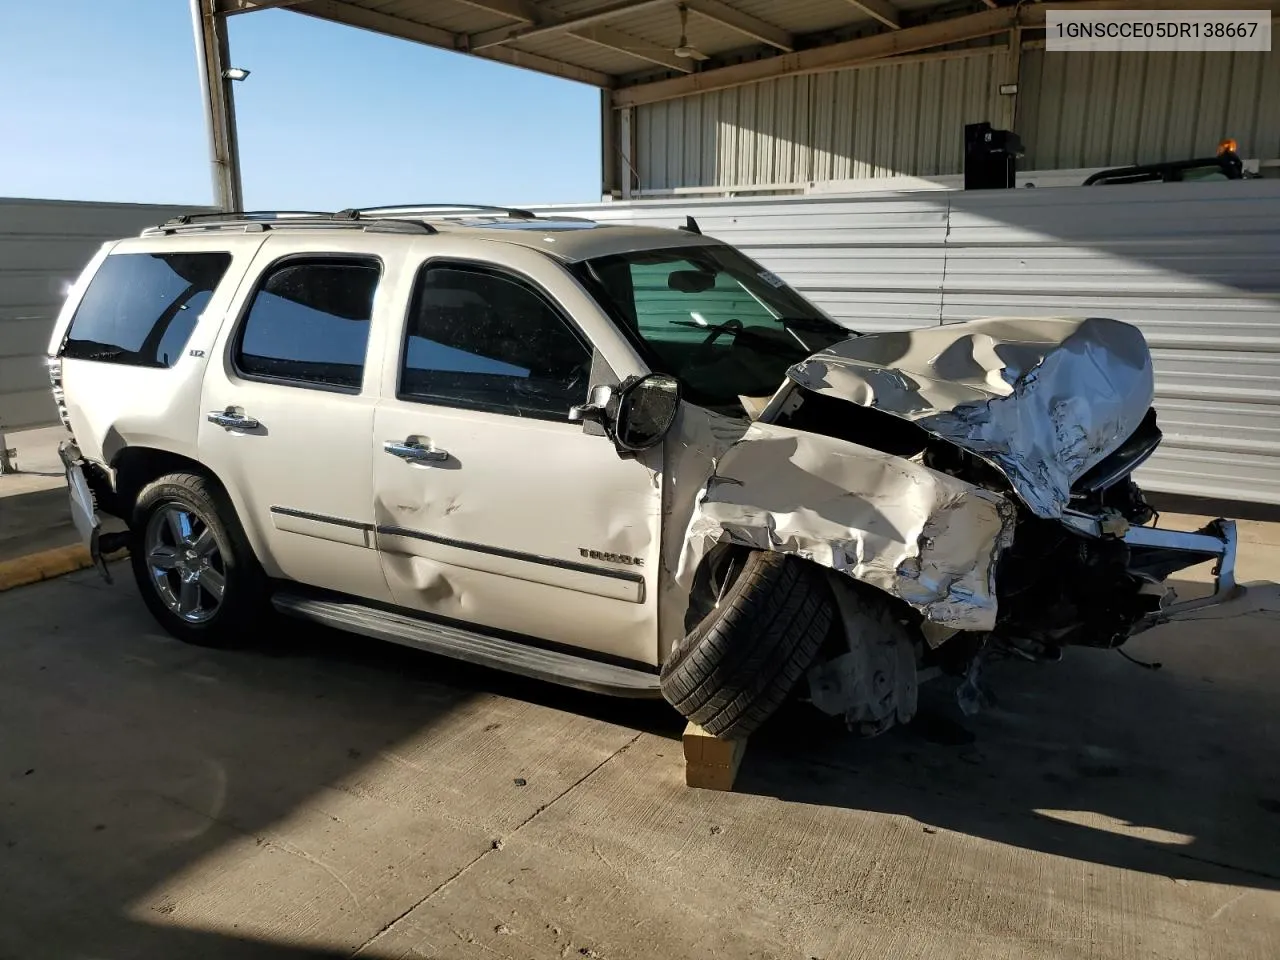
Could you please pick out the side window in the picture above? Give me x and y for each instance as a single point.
(140, 308)
(482, 339)
(308, 323)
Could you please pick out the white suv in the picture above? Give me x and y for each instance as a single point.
(629, 460)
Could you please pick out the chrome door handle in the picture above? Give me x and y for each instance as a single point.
(415, 452)
(233, 420)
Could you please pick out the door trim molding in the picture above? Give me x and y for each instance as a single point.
(393, 531)
(321, 518)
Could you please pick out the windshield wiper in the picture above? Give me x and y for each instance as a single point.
(815, 325)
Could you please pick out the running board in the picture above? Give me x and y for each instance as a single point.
(478, 648)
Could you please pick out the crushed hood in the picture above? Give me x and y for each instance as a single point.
(1043, 401)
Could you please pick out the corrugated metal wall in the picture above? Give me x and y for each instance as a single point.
(1196, 266)
(44, 244)
(869, 121)
(1111, 109)
(1074, 110)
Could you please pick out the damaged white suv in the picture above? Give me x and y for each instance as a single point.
(628, 460)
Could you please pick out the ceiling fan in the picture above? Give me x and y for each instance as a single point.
(658, 54)
(683, 49)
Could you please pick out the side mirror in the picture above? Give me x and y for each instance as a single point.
(646, 409)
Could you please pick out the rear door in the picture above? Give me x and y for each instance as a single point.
(492, 507)
(288, 406)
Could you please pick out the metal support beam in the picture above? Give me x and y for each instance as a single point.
(880, 46)
(549, 23)
(633, 47)
(1013, 70)
(515, 9)
(627, 145)
(354, 16)
(881, 10)
(526, 14)
(753, 27)
(212, 59)
(610, 149)
(229, 8)
(531, 18)
(833, 57)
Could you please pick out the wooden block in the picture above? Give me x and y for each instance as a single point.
(710, 762)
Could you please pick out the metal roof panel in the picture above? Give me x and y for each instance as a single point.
(652, 25)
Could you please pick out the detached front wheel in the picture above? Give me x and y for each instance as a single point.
(193, 564)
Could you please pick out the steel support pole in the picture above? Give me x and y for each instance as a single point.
(627, 146)
(610, 181)
(1013, 74)
(212, 60)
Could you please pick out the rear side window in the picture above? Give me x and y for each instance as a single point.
(308, 324)
(140, 308)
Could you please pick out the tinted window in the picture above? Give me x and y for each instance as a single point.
(482, 339)
(309, 323)
(140, 308)
(679, 301)
(717, 321)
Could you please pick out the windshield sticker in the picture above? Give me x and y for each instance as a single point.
(772, 279)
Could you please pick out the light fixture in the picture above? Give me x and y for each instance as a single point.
(234, 73)
(1008, 89)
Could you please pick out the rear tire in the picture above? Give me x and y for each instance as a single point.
(193, 563)
(737, 666)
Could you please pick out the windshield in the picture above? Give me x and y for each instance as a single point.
(712, 318)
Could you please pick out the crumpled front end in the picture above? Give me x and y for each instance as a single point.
(1042, 401)
(981, 474)
(929, 539)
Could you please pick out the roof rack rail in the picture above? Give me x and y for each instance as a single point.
(219, 215)
(257, 220)
(405, 209)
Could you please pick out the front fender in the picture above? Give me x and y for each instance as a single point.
(924, 537)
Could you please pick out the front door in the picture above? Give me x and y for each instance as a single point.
(492, 508)
(286, 415)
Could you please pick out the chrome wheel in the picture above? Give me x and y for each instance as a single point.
(187, 569)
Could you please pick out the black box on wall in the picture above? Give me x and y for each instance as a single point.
(989, 157)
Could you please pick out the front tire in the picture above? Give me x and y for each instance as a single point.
(193, 563)
(738, 665)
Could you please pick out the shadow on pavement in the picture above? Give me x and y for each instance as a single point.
(132, 766)
(1170, 771)
(31, 522)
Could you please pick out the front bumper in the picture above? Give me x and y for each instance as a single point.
(1215, 541)
(84, 510)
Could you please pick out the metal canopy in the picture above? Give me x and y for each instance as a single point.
(642, 50)
(645, 51)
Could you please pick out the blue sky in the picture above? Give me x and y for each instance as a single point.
(97, 103)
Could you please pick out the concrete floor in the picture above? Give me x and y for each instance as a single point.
(33, 501)
(322, 795)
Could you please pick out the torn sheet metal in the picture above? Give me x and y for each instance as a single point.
(698, 438)
(917, 534)
(1041, 400)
